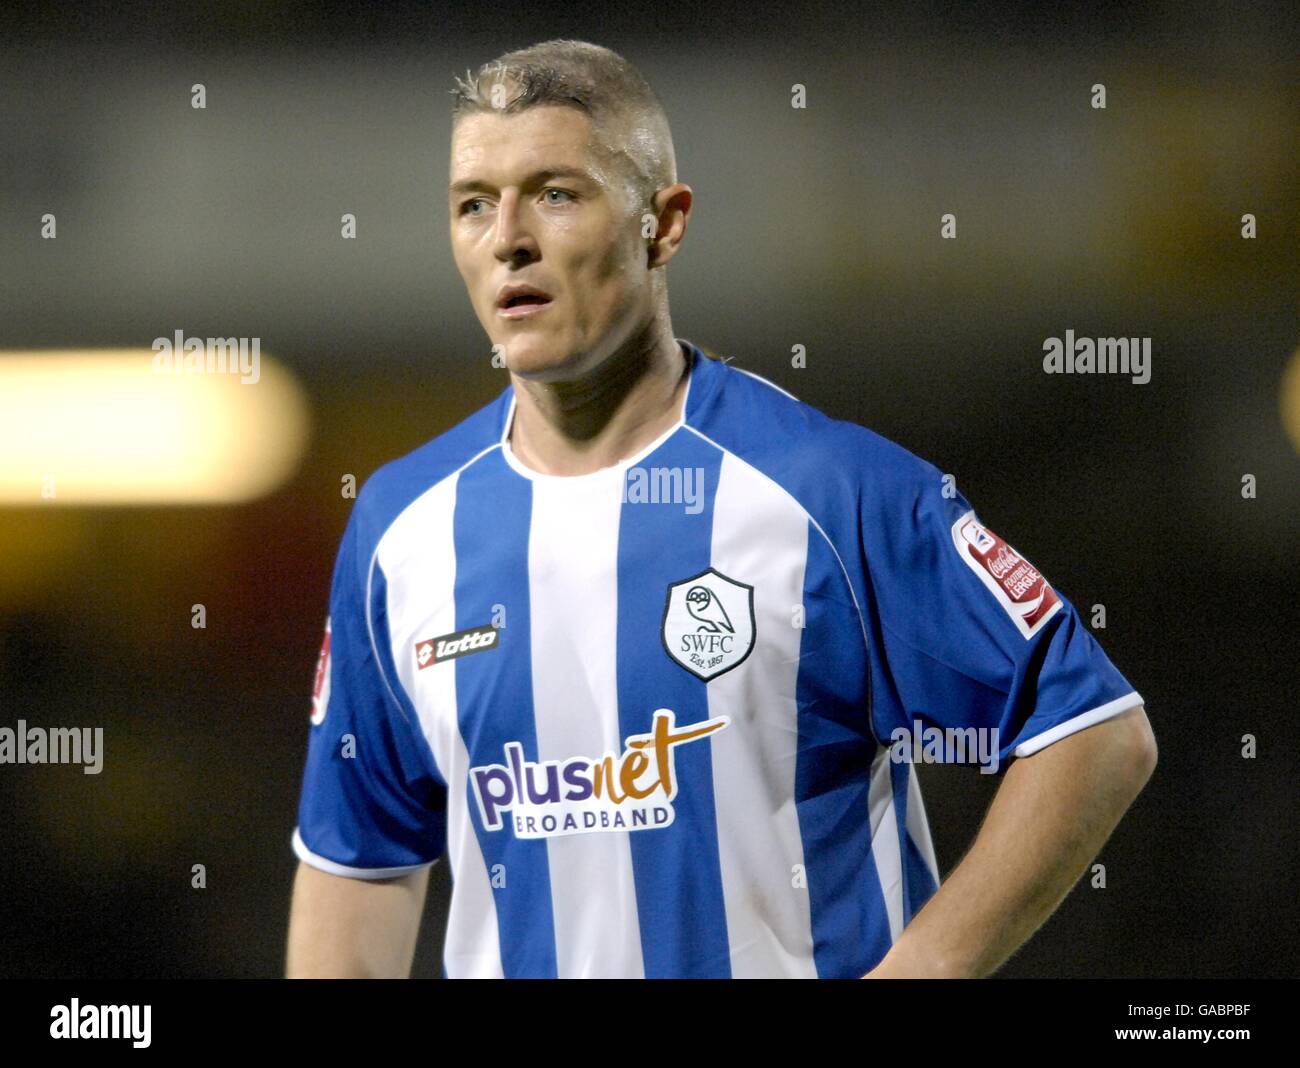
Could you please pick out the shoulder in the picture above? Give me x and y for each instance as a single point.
(393, 487)
(812, 455)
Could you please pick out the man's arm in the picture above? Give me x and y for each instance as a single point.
(1048, 821)
(343, 928)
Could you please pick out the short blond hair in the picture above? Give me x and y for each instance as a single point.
(627, 118)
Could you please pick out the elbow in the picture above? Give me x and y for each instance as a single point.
(1141, 751)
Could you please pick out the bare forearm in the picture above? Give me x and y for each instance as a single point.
(343, 928)
(1049, 819)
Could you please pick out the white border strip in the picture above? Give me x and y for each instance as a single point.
(325, 865)
(1085, 719)
(760, 378)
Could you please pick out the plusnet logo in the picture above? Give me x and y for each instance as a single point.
(632, 791)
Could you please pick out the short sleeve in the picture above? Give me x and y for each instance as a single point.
(973, 634)
(373, 805)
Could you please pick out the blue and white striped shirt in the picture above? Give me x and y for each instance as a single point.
(648, 713)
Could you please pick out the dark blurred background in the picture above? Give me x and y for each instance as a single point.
(815, 227)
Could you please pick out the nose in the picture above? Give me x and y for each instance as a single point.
(513, 240)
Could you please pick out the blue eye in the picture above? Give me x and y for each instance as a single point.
(464, 208)
(562, 192)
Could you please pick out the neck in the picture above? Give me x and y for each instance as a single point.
(604, 416)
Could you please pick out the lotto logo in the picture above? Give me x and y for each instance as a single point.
(461, 643)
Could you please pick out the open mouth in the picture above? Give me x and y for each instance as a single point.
(521, 305)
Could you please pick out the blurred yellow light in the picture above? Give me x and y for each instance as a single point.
(1290, 398)
(105, 427)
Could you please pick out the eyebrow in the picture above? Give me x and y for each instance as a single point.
(475, 185)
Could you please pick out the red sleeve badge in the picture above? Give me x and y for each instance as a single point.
(320, 693)
(1018, 586)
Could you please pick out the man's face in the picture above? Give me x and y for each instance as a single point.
(534, 202)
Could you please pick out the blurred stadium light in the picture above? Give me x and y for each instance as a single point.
(109, 427)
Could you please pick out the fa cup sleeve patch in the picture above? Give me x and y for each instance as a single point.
(320, 693)
(1017, 585)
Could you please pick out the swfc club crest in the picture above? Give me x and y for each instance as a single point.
(709, 623)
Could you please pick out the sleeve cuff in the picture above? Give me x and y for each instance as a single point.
(334, 868)
(1077, 723)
